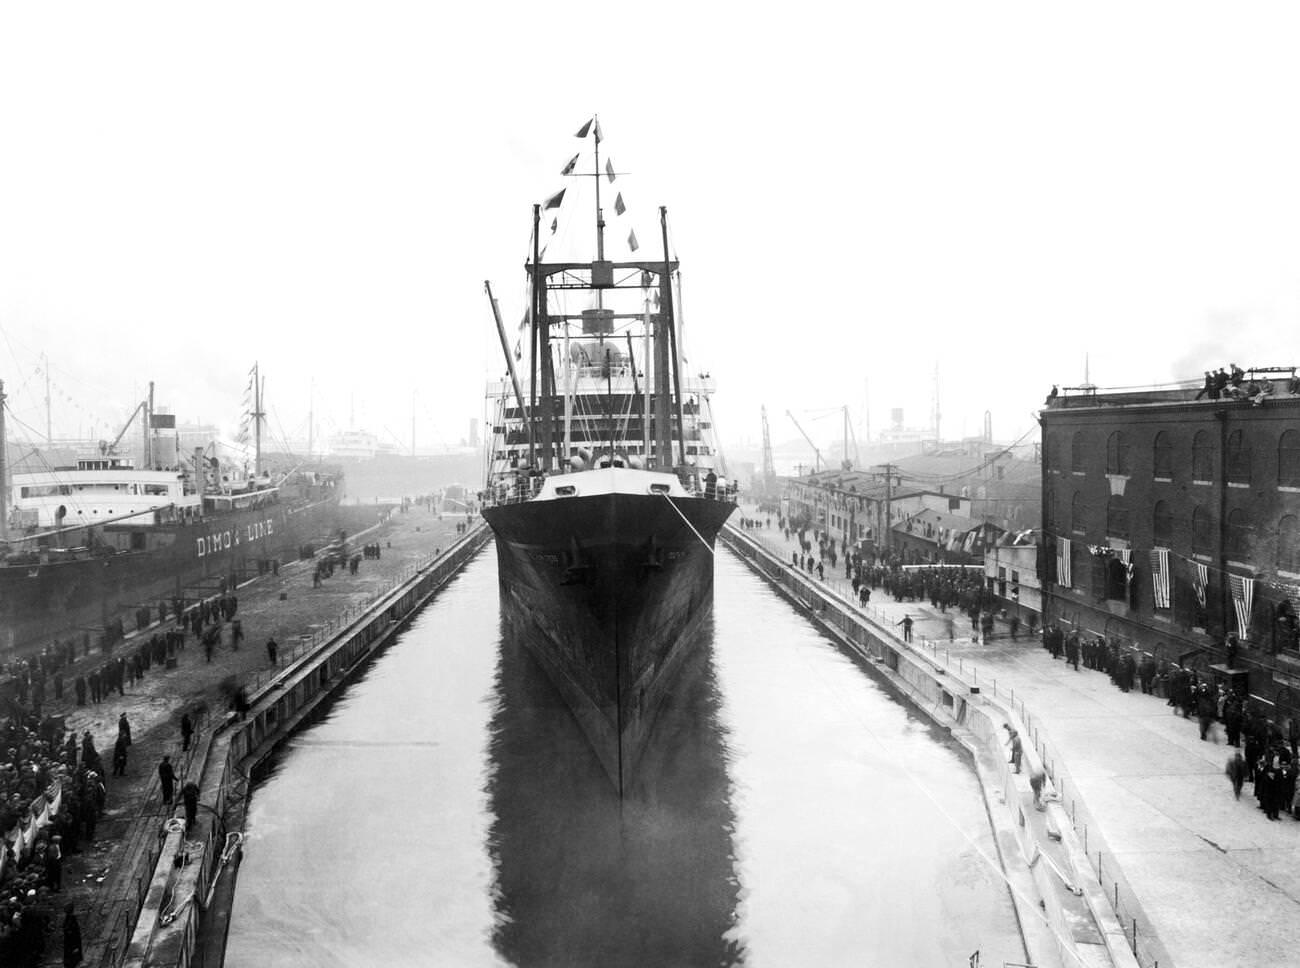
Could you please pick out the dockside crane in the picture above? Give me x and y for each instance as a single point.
(769, 466)
(818, 465)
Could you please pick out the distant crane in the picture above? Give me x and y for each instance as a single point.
(769, 466)
(818, 465)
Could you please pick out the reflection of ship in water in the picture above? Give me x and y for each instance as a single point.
(583, 877)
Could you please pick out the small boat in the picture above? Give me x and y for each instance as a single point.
(605, 487)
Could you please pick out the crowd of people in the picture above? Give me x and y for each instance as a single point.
(1232, 384)
(1265, 753)
(43, 765)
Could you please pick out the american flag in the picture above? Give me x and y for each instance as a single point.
(1243, 595)
(1160, 576)
(1200, 577)
(1063, 562)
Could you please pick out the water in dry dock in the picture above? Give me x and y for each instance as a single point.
(446, 812)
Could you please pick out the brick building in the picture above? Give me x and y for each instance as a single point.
(1171, 522)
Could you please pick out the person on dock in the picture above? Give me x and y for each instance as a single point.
(1017, 749)
(119, 756)
(72, 953)
(124, 729)
(272, 650)
(907, 627)
(187, 732)
(190, 797)
(1236, 770)
(167, 779)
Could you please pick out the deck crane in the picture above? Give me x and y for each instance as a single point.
(818, 465)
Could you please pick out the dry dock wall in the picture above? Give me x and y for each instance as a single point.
(1065, 917)
(186, 909)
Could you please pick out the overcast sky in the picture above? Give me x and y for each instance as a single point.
(857, 192)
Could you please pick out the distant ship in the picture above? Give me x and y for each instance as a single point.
(82, 542)
(604, 487)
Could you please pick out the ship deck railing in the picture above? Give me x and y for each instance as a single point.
(512, 491)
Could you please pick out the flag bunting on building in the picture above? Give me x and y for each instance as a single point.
(1063, 562)
(1200, 578)
(1125, 555)
(1243, 596)
(631, 241)
(1160, 576)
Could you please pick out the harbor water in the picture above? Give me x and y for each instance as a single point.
(445, 811)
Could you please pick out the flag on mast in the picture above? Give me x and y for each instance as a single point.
(582, 132)
(631, 241)
(598, 135)
(573, 163)
(619, 207)
(609, 169)
(555, 200)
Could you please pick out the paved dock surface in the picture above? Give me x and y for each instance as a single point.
(1209, 879)
(104, 879)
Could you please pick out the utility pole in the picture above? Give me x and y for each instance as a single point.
(4, 469)
(887, 541)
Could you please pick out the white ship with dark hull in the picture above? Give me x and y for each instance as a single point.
(605, 490)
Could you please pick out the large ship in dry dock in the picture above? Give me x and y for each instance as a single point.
(605, 487)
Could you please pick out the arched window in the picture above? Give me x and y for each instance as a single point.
(1288, 544)
(1077, 523)
(1238, 458)
(1078, 454)
(1163, 454)
(1162, 525)
(1237, 535)
(1116, 517)
(1117, 454)
(1054, 453)
(1202, 456)
(1288, 459)
(1202, 532)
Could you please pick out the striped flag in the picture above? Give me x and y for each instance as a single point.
(1160, 576)
(1063, 562)
(1243, 596)
(1200, 578)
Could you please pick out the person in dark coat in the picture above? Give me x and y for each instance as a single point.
(54, 864)
(124, 729)
(119, 756)
(187, 731)
(1205, 708)
(71, 938)
(190, 796)
(167, 778)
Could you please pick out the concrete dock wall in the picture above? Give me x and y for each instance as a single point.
(1065, 917)
(185, 913)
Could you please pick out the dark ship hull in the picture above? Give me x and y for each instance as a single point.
(66, 593)
(610, 593)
